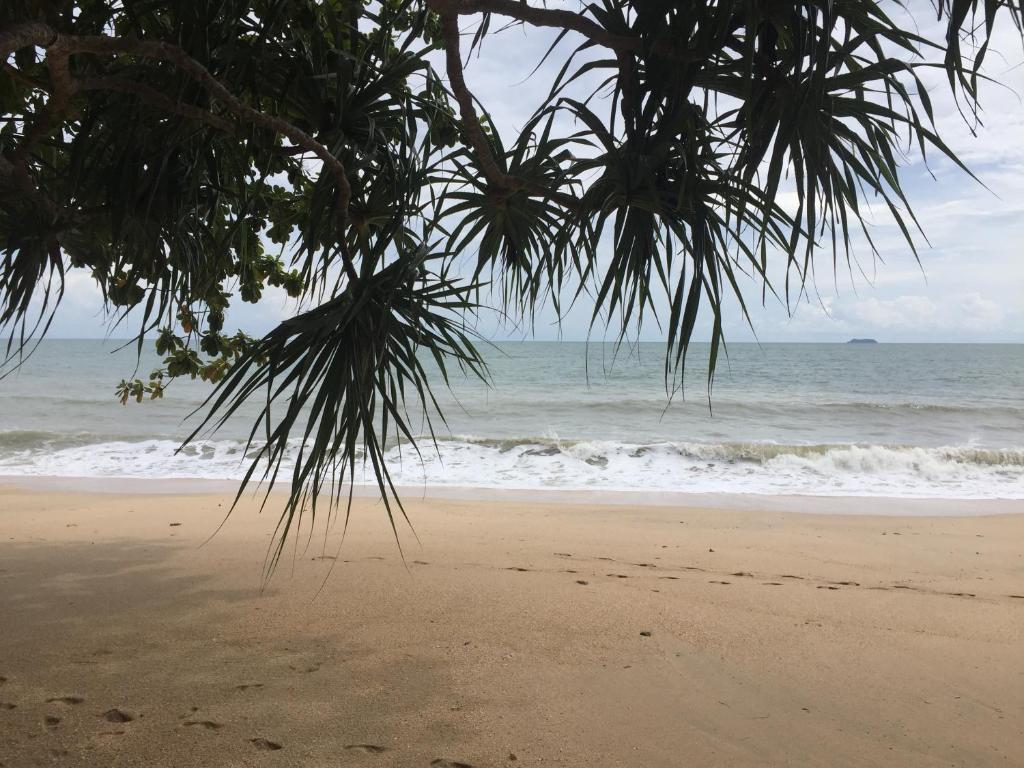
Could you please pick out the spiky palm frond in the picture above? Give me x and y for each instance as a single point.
(519, 232)
(337, 383)
(31, 272)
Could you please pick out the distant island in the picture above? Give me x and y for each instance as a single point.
(862, 341)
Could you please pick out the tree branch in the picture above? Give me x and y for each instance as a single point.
(560, 19)
(474, 132)
(538, 17)
(467, 110)
(24, 36)
(154, 98)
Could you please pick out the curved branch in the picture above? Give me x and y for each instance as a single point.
(474, 131)
(156, 99)
(467, 110)
(102, 45)
(32, 33)
(560, 19)
(538, 17)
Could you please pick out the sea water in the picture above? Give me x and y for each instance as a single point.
(902, 420)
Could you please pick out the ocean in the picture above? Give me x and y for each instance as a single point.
(893, 420)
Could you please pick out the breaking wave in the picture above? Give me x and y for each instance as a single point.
(550, 463)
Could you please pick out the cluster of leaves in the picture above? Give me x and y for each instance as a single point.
(185, 152)
(178, 202)
(712, 111)
(344, 371)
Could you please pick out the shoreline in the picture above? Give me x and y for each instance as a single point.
(882, 506)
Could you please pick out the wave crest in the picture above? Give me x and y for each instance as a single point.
(549, 462)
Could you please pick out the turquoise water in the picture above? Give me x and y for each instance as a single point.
(925, 420)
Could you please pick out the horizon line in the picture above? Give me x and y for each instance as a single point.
(510, 340)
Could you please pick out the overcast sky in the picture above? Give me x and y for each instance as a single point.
(968, 287)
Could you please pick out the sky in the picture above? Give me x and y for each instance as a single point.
(968, 286)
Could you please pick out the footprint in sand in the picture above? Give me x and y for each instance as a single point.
(443, 762)
(517, 568)
(208, 725)
(265, 744)
(366, 749)
(719, 582)
(117, 716)
(582, 581)
(6, 705)
(247, 686)
(826, 586)
(771, 583)
(52, 721)
(618, 575)
(66, 700)
(420, 562)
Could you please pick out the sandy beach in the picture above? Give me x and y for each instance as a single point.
(518, 632)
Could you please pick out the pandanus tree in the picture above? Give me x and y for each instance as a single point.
(187, 153)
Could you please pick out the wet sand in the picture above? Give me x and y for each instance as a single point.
(520, 632)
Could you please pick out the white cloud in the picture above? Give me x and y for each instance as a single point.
(979, 313)
(914, 314)
(904, 312)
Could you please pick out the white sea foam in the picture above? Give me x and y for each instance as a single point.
(786, 418)
(547, 463)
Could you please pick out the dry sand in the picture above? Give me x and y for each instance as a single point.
(515, 634)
